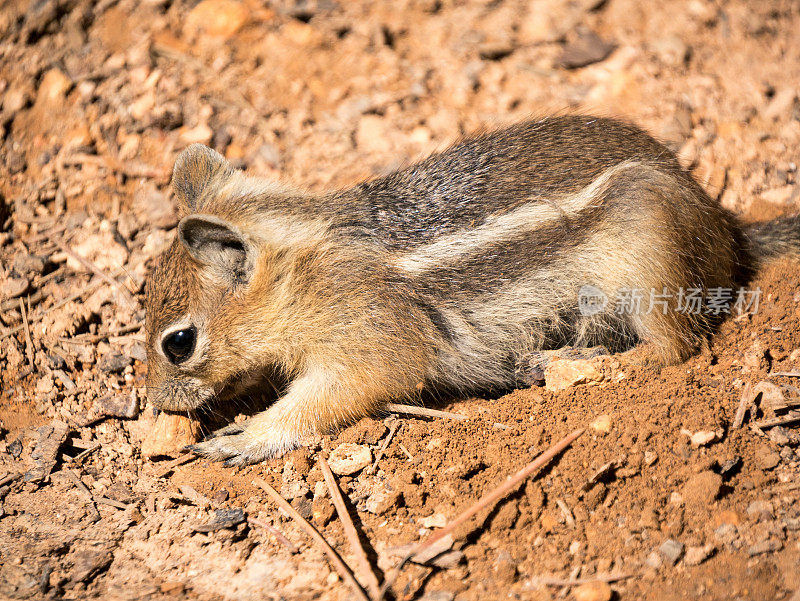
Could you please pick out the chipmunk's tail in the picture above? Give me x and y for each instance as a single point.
(777, 238)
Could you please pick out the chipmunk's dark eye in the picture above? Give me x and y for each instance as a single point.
(178, 346)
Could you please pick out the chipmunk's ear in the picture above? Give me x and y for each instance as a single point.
(218, 244)
(195, 169)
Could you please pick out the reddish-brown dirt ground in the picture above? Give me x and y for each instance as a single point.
(98, 98)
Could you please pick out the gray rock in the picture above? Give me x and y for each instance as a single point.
(671, 550)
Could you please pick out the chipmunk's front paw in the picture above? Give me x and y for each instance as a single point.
(236, 445)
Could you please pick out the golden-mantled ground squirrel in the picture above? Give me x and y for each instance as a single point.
(449, 274)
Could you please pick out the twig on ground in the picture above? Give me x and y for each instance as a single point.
(90, 502)
(789, 418)
(550, 581)
(274, 532)
(336, 560)
(185, 458)
(80, 456)
(109, 502)
(28, 339)
(406, 451)
(386, 442)
(485, 501)
(786, 374)
(12, 303)
(565, 511)
(10, 478)
(367, 575)
(422, 411)
(744, 404)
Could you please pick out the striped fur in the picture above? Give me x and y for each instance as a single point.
(444, 275)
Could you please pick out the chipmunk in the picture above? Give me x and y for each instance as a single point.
(446, 274)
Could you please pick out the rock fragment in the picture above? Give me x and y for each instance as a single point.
(561, 374)
(223, 518)
(592, 591)
(697, 555)
(671, 550)
(45, 453)
(349, 458)
(588, 48)
(125, 406)
(170, 434)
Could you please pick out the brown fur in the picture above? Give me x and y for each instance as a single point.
(449, 273)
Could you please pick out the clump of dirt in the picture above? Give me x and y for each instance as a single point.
(666, 495)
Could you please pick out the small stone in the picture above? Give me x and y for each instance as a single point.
(650, 458)
(701, 438)
(601, 424)
(200, 134)
(754, 358)
(772, 397)
(779, 436)
(322, 510)
(223, 519)
(504, 568)
(766, 458)
(294, 489)
(349, 458)
(114, 362)
(671, 550)
(170, 434)
(172, 587)
(220, 496)
(219, 18)
(766, 546)
(125, 406)
(702, 489)
(561, 374)
(727, 533)
(13, 287)
(592, 591)
(382, 501)
(304, 507)
(45, 385)
(654, 560)
(697, 555)
(437, 520)
(53, 87)
(588, 48)
(24, 263)
(760, 510)
(671, 50)
(495, 50)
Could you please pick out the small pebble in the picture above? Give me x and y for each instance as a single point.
(349, 458)
(671, 550)
(592, 591)
(697, 555)
(601, 424)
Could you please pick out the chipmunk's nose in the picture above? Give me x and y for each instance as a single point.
(179, 394)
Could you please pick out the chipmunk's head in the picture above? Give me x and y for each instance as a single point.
(196, 296)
